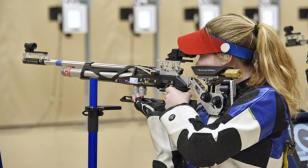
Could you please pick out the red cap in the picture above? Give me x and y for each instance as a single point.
(199, 42)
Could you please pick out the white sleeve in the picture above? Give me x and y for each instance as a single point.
(162, 145)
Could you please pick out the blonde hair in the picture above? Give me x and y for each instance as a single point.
(271, 63)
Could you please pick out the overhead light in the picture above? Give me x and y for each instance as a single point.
(145, 20)
(142, 16)
(269, 13)
(74, 16)
(208, 9)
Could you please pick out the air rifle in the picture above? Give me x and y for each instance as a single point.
(295, 39)
(214, 86)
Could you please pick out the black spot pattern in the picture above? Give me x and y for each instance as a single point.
(198, 124)
(257, 154)
(178, 160)
(158, 164)
(202, 150)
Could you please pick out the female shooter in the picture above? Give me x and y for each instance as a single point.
(250, 133)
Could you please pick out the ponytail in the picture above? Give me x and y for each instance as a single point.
(273, 64)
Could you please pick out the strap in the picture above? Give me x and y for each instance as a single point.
(285, 158)
(1, 166)
(290, 143)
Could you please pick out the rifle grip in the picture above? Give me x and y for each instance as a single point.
(181, 88)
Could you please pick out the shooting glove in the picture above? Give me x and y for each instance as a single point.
(149, 106)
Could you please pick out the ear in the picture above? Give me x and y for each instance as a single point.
(226, 58)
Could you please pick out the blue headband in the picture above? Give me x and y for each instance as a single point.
(237, 51)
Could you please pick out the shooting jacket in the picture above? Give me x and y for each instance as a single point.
(250, 133)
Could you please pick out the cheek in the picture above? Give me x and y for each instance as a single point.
(209, 61)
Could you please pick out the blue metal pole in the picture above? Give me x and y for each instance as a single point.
(1, 166)
(92, 144)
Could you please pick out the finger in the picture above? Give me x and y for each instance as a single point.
(169, 89)
(140, 95)
(189, 95)
(134, 96)
(166, 106)
(167, 97)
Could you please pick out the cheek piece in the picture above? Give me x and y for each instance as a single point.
(201, 42)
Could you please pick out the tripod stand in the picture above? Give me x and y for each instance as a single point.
(93, 112)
